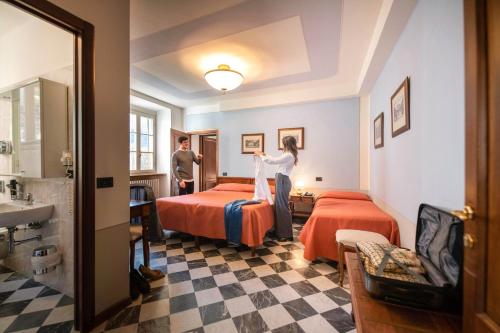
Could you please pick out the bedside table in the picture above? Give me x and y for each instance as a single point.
(301, 205)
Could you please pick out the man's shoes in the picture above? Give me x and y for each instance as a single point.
(140, 281)
(134, 289)
(151, 274)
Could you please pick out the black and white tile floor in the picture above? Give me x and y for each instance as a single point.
(220, 289)
(28, 306)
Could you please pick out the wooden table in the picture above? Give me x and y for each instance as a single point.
(372, 315)
(142, 209)
(301, 205)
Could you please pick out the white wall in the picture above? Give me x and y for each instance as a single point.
(33, 49)
(364, 143)
(163, 164)
(426, 163)
(331, 139)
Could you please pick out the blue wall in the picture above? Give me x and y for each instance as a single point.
(426, 163)
(331, 139)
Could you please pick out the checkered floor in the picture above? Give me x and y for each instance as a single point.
(28, 306)
(220, 289)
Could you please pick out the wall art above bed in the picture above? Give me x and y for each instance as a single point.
(400, 109)
(251, 143)
(378, 131)
(297, 132)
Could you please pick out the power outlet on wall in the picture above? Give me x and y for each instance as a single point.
(224, 173)
(319, 179)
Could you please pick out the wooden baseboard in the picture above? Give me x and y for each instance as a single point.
(111, 311)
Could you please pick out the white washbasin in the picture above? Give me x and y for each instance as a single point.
(16, 213)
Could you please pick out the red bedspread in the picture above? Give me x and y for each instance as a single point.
(343, 210)
(202, 214)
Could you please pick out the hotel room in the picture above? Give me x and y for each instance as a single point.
(249, 166)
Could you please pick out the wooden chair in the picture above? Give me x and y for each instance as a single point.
(346, 241)
(137, 231)
(135, 236)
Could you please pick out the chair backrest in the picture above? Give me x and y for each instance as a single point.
(139, 192)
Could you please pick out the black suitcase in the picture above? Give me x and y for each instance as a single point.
(439, 246)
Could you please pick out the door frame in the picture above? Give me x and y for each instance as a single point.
(173, 148)
(475, 317)
(201, 133)
(84, 153)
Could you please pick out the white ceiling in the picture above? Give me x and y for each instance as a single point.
(150, 16)
(11, 18)
(259, 54)
(288, 51)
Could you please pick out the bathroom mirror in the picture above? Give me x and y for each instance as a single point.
(34, 118)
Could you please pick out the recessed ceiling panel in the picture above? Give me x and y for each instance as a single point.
(266, 52)
(151, 16)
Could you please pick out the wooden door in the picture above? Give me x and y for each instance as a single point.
(208, 170)
(482, 225)
(174, 145)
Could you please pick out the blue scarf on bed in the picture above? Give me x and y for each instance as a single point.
(233, 219)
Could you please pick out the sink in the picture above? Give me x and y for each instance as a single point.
(16, 213)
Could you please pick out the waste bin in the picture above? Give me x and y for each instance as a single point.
(45, 260)
(4, 243)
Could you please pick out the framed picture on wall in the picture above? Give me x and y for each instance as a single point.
(251, 143)
(378, 131)
(400, 109)
(297, 132)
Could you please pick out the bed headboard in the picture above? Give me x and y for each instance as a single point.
(241, 180)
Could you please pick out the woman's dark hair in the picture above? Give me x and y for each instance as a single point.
(181, 139)
(290, 144)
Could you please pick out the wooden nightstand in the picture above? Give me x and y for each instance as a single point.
(301, 205)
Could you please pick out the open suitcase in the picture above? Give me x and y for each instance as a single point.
(439, 246)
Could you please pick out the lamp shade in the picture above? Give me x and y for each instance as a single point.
(299, 185)
(224, 78)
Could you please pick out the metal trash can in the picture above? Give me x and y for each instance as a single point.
(4, 243)
(45, 260)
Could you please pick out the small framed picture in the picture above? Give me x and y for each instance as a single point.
(297, 132)
(400, 108)
(378, 131)
(251, 143)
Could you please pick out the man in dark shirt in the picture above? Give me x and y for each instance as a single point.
(182, 166)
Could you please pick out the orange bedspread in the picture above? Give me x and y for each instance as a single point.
(202, 214)
(340, 210)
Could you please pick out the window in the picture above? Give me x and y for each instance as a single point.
(142, 142)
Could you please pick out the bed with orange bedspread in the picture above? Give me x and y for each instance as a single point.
(202, 214)
(343, 210)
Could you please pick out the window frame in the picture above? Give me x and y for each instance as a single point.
(151, 115)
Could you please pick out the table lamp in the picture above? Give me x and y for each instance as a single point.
(299, 186)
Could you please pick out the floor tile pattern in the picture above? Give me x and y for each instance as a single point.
(28, 306)
(220, 289)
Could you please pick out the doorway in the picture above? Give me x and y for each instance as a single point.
(205, 142)
(208, 167)
(80, 144)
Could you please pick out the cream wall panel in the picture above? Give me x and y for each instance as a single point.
(111, 19)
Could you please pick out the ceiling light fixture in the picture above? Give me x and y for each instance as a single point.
(224, 78)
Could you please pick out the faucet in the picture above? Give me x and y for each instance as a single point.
(17, 194)
(27, 198)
